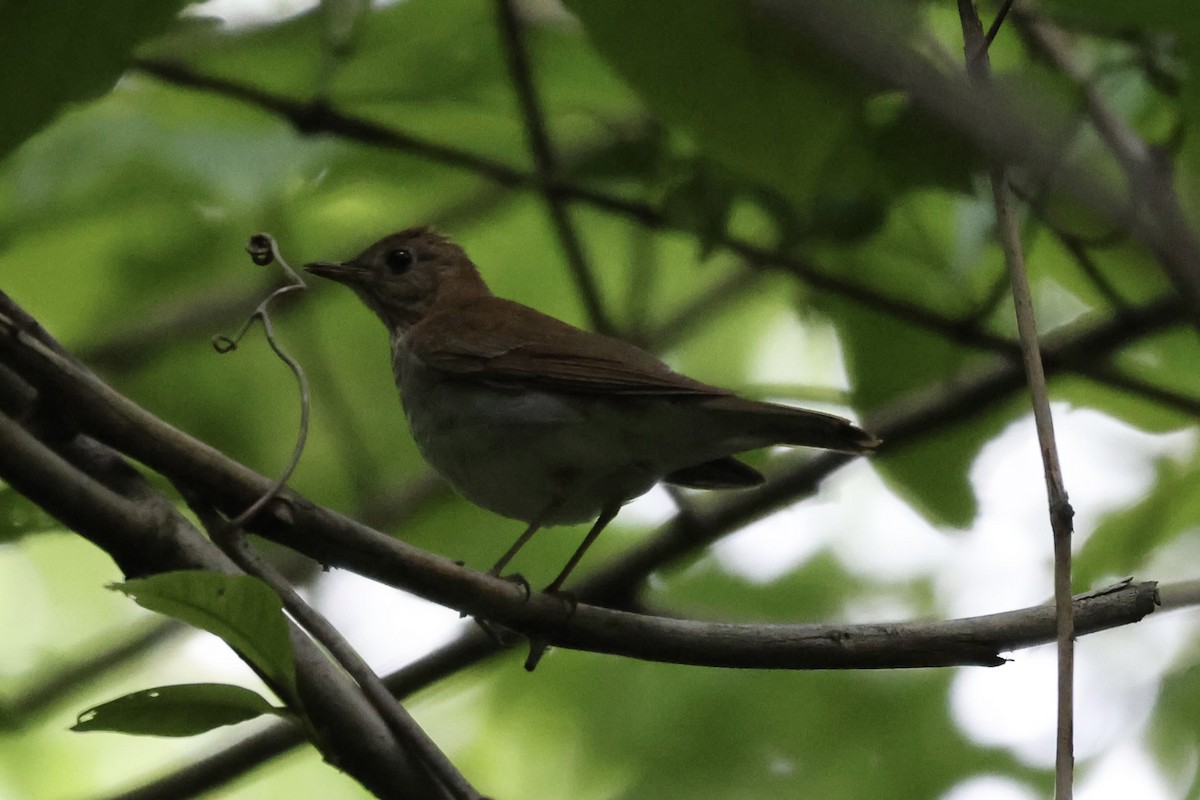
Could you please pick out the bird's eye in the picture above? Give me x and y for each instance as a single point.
(400, 260)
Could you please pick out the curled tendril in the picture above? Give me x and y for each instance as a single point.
(263, 251)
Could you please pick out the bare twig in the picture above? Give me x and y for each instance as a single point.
(1185, 594)
(1061, 513)
(264, 250)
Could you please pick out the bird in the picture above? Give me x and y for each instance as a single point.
(539, 421)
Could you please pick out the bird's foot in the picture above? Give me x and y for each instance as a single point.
(519, 580)
(567, 597)
(539, 644)
(516, 578)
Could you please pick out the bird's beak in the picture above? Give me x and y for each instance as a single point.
(342, 272)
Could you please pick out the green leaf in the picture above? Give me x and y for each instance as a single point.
(55, 53)
(240, 609)
(180, 710)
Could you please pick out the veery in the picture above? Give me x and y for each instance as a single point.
(543, 422)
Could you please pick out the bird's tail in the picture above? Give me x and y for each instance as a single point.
(775, 424)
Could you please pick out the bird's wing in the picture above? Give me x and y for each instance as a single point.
(507, 344)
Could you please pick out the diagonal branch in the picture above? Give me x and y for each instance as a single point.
(867, 44)
(229, 536)
(145, 535)
(545, 163)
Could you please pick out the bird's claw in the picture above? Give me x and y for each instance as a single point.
(567, 597)
(516, 578)
(519, 580)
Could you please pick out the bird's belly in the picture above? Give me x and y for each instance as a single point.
(526, 455)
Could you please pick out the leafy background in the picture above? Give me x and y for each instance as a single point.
(125, 201)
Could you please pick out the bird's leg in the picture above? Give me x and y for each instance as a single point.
(538, 644)
(499, 566)
(606, 516)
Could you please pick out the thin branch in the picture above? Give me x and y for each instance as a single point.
(1185, 594)
(1061, 513)
(545, 163)
(1079, 251)
(230, 537)
(998, 22)
(472, 647)
(264, 250)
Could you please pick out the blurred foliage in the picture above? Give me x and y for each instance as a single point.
(123, 215)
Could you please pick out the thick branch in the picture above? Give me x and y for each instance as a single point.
(334, 539)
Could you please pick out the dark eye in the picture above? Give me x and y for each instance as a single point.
(399, 261)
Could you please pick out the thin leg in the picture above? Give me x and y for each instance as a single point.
(512, 551)
(606, 516)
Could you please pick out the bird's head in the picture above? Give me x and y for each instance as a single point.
(405, 276)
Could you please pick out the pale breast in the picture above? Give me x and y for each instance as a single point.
(512, 452)
(555, 457)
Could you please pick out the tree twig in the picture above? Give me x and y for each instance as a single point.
(264, 250)
(975, 45)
